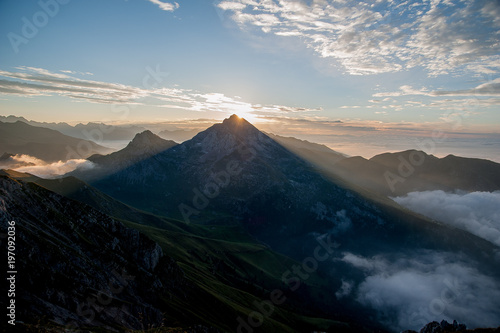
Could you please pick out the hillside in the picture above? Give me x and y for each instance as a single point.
(319, 155)
(45, 144)
(394, 174)
(220, 272)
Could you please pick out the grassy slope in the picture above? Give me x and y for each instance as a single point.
(230, 268)
(236, 273)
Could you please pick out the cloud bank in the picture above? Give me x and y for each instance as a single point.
(476, 212)
(413, 290)
(371, 37)
(39, 168)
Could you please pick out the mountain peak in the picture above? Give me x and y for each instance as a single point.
(233, 119)
(146, 139)
(144, 134)
(236, 121)
(144, 145)
(238, 126)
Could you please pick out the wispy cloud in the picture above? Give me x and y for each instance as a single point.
(75, 72)
(469, 100)
(491, 88)
(167, 6)
(30, 81)
(370, 37)
(38, 81)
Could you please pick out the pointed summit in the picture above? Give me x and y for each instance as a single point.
(144, 145)
(148, 140)
(222, 139)
(233, 117)
(237, 126)
(234, 120)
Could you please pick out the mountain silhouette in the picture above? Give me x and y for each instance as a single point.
(393, 174)
(232, 173)
(143, 146)
(83, 131)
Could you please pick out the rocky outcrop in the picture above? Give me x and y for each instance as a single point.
(77, 267)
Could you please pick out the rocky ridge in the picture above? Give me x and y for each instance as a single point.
(85, 268)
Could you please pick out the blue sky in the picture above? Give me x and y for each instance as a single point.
(383, 65)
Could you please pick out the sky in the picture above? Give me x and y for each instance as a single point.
(362, 77)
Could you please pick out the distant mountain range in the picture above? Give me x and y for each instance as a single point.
(45, 144)
(105, 132)
(394, 174)
(178, 135)
(89, 131)
(388, 174)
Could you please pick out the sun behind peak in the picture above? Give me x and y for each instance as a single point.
(234, 119)
(237, 122)
(243, 115)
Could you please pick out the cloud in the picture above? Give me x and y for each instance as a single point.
(167, 6)
(344, 290)
(37, 167)
(371, 37)
(491, 88)
(363, 263)
(19, 160)
(339, 220)
(31, 81)
(75, 72)
(476, 212)
(412, 290)
(483, 95)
